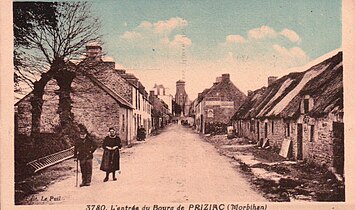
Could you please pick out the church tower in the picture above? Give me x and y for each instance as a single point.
(181, 97)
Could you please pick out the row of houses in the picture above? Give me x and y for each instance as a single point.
(101, 97)
(301, 113)
(303, 110)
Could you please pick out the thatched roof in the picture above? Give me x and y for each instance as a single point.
(322, 82)
(247, 109)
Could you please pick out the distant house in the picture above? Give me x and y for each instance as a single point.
(215, 105)
(160, 111)
(164, 94)
(305, 108)
(100, 97)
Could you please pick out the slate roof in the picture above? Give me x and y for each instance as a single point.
(110, 92)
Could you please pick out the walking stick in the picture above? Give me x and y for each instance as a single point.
(77, 168)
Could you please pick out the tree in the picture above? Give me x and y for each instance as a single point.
(49, 40)
(26, 70)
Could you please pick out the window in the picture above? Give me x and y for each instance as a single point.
(137, 99)
(123, 123)
(288, 129)
(306, 105)
(311, 135)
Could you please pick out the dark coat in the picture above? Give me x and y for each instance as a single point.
(84, 148)
(111, 158)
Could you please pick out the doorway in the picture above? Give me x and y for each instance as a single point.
(299, 141)
(258, 130)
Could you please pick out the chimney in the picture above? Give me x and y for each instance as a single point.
(151, 93)
(93, 50)
(250, 92)
(270, 80)
(225, 77)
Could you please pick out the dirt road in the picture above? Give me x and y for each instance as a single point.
(175, 166)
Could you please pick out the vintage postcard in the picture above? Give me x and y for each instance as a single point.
(177, 105)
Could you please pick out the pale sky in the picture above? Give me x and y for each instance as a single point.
(249, 39)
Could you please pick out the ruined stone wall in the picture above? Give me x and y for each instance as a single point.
(50, 118)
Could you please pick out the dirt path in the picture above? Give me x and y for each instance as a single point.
(175, 166)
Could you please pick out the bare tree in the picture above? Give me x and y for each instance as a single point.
(51, 46)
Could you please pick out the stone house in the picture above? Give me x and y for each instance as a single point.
(216, 105)
(304, 109)
(160, 111)
(140, 100)
(100, 98)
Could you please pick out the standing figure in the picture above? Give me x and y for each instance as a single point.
(83, 152)
(111, 156)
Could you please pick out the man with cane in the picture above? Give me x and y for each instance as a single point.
(83, 152)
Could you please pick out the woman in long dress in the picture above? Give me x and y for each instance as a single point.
(111, 157)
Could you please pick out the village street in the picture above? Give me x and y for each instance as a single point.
(175, 166)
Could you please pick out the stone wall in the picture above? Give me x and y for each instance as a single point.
(95, 108)
(245, 129)
(49, 118)
(23, 116)
(275, 135)
(321, 149)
